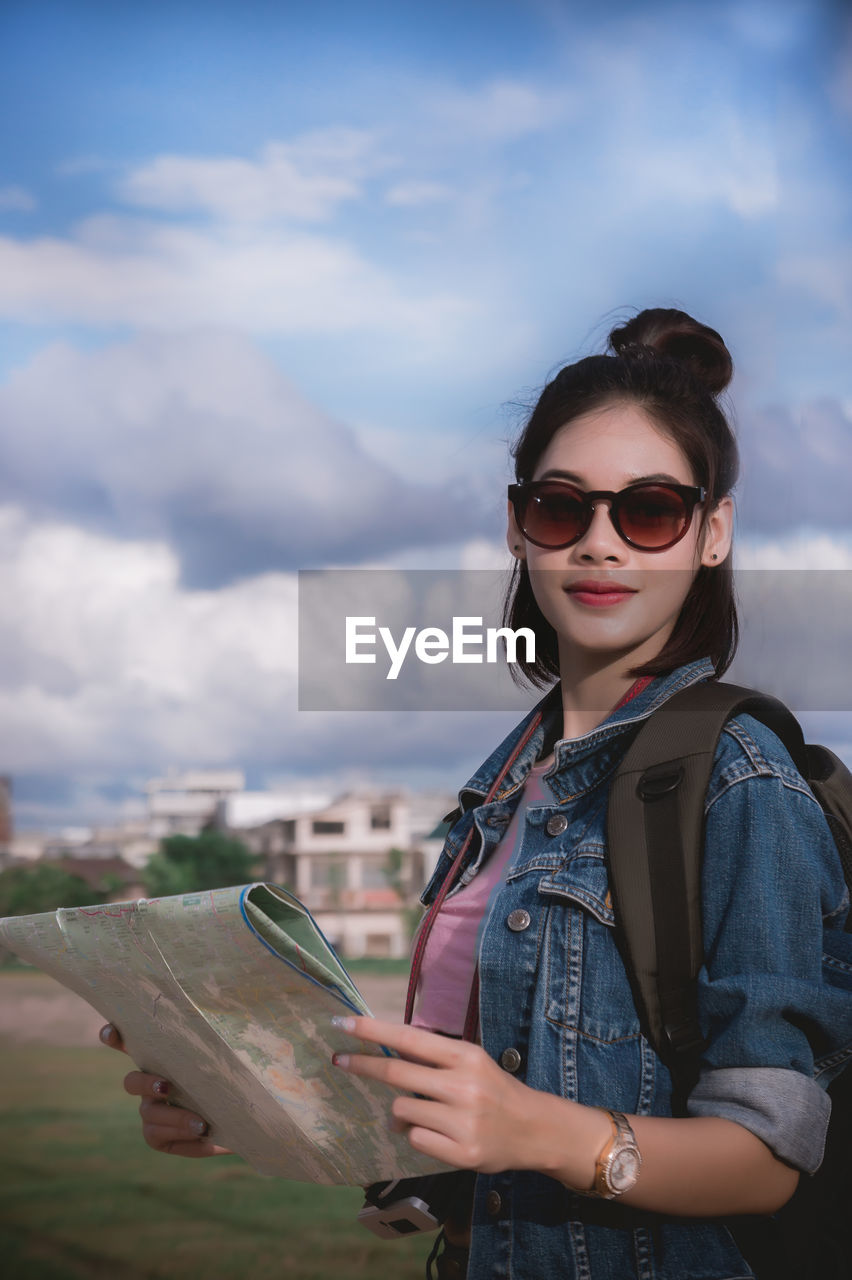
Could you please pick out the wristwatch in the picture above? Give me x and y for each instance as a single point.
(618, 1165)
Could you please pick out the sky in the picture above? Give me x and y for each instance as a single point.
(276, 283)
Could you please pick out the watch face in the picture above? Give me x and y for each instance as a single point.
(624, 1170)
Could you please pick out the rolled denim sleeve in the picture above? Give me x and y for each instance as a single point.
(784, 1108)
(772, 1012)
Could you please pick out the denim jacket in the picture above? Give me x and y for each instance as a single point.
(775, 993)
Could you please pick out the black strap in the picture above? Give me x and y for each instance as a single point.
(831, 783)
(655, 836)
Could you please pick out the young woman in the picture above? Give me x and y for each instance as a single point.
(620, 523)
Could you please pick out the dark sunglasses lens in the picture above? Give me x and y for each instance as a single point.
(653, 516)
(555, 517)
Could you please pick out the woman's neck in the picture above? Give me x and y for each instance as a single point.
(589, 699)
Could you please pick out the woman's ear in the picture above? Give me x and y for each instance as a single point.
(514, 537)
(718, 533)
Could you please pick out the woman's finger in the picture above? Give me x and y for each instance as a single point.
(409, 1077)
(172, 1139)
(425, 1114)
(194, 1150)
(180, 1124)
(411, 1042)
(141, 1084)
(111, 1036)
(437, 1146)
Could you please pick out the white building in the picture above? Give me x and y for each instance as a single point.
(337, 859)
(184, 803)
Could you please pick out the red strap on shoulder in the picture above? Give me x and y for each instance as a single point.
(452, 876)
(635, 689)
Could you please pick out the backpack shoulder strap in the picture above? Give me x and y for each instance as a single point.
(831, 783)
(655, 838)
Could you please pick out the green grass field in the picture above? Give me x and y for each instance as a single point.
(82, 1196)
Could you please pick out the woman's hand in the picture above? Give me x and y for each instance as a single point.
(166, 1128)
(470, 1114)
(474, 1115)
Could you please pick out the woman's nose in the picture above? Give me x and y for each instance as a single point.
(600, 541)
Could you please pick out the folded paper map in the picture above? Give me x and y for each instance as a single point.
(229, 995)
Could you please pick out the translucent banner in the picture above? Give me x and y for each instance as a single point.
(433, 640)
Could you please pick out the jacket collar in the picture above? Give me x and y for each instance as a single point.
(579, 762)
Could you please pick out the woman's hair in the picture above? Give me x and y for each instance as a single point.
(673, 368)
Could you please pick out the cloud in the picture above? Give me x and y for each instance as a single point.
(796, 618)
(198, 440)
(499, 111)
(733, 164)
(797, 468)
(17, 199)
(107, 663)
(304, 180)
(826, 277)
(111, 671)
(116, 271)
(412, 195)
(797, 551)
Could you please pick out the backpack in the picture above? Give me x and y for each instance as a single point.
(655, 841)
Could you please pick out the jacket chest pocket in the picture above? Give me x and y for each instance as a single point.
(585, 981)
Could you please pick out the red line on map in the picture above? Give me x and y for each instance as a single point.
(113, 915)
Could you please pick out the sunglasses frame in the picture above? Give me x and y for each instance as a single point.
(691, 495)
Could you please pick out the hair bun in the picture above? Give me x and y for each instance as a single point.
(675, 334)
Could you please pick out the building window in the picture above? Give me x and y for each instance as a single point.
(374, 874)
(378, 944)
(323, 827)
(328, 873)
(380, 817)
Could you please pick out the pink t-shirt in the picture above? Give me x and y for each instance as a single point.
(449, 960)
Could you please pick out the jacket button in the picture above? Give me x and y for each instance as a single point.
(493, 1203)
(557, 824)
(510, 1060)
(518, 920)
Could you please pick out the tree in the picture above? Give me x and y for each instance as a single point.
(336, 883)
(186, 864)
(394, 873)
(27, 891)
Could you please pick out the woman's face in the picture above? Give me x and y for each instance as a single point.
(611, 448)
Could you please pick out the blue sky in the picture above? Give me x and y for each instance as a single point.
(273, 279)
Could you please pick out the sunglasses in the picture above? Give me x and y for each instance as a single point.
(647, 516)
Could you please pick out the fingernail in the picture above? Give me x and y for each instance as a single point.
(200, 1128)
(340, 1060)
(105, 1033)
(343, 1023)
(160, 1087)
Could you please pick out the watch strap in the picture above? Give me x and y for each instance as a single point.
(622, 1137)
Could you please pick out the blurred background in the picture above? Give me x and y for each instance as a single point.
(276, 283)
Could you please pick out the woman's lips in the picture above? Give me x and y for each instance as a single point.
(599, 595)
